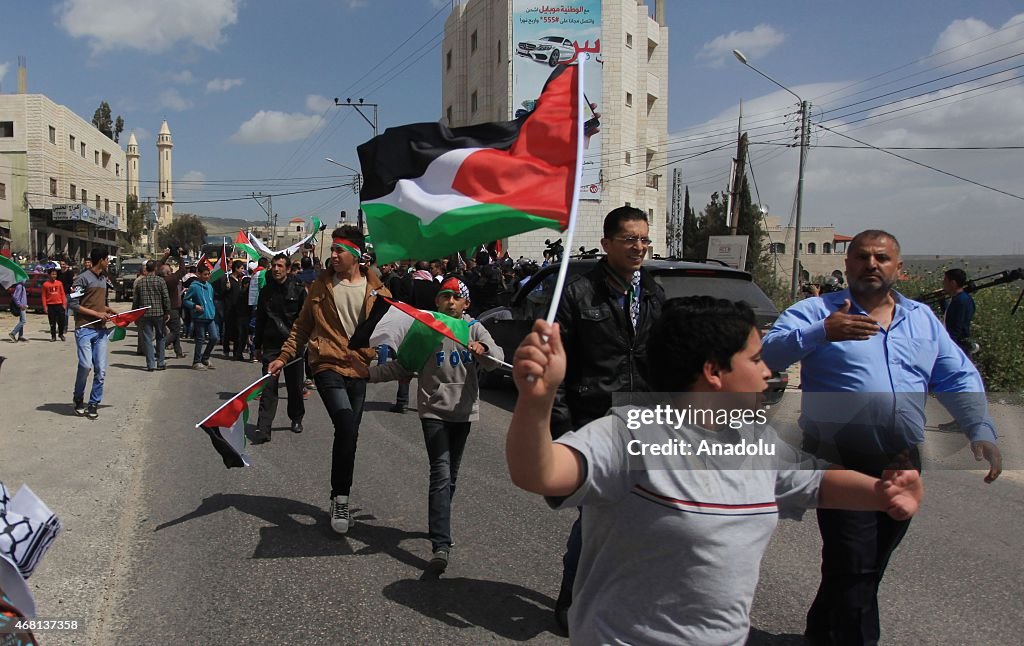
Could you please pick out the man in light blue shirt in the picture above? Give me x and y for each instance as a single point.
(869, 356)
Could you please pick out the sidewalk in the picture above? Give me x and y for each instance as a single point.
(87, 471)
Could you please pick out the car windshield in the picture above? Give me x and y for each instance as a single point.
(553, 39)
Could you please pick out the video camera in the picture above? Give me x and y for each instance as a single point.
(555, 248)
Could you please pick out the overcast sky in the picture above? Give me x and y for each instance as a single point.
(248, 89)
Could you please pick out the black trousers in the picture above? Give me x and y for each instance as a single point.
(343, 398)
(173, 338)
(58, 319)
(856, 548)
(269, 396)
(445, 443)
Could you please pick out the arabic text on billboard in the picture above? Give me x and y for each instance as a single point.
(544, 35)
(82, 213)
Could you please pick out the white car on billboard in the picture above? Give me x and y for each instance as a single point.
(549, 49)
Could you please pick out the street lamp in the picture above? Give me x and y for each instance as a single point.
(356, 186)
(804, 137)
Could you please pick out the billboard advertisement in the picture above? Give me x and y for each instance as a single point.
(546, 35)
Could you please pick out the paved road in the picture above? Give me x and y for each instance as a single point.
(163, 544)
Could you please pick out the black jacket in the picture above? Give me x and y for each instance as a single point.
(604, 354)
(278, 306)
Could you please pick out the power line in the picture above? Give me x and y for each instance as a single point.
(767, 143)
(914, 161)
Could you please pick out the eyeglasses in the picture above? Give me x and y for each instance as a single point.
(632, 240)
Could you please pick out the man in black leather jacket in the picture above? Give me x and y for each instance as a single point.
(605, 317)
(279, 304)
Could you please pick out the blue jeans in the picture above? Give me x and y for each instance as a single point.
(343, 397)
(19, 329)
(445, 444)
(201, 329)
(92, 355)
(151, 328)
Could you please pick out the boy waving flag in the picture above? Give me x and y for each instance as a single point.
(430, 190)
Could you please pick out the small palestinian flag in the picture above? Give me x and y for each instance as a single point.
(242, 242)
(226, 425)
(412, 332)
(222, 267)
(430, 190)
(11, 273)
(123, 320)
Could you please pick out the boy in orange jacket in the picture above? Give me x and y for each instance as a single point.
(55, 302)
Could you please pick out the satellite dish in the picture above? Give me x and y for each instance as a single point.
(763, 208)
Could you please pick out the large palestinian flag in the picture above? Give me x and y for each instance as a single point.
(226, 425)
(413, 333)
(430, 190)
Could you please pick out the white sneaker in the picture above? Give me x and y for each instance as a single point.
(340, 519)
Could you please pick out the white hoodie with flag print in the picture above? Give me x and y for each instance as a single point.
(447, 386)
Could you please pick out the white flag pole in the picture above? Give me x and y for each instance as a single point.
(563, 270)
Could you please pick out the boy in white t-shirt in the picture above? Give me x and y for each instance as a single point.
(673, 543)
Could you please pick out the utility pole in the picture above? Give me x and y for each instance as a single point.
(676, 216)
(805, 131)
(271, 217)
(735, 177)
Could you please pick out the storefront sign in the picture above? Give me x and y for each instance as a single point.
(82, 213)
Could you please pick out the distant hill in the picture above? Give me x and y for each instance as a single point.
(224, 226)
(973, 265)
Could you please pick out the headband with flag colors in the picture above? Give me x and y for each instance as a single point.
(226, 425)
(454, 285)
(348, 246)
(11, 273)
(430, 190)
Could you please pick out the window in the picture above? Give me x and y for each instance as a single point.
(97, 202)
(118, 207)
(628, 159)
(629, 99)
(117, 170)
(81, 145)
(71, 140)
(473, 103)
(167, 155)
(6, 128)
(3, 191)
(472, 42)
(96, 157)
(448, 60)
(812, 248)
(106, 205)
(72, 192)
(499, 52)
(84, 197)
(826, 247)
(629, 40)
(777, 247)
(298, 228)
(53, 186)
(628, 204)
(448, 113)
(53, 135)
(105, 159)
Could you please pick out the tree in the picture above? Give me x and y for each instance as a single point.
(689, 227)
(104, 122)
(138, 213)
(186, 231)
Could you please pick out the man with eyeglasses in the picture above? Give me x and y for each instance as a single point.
(606, 317)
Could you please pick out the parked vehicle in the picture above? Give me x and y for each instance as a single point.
(510, 325)
(128, 270)
(549, 49)
(33, 290)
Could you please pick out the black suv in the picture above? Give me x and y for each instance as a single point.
(509, 325)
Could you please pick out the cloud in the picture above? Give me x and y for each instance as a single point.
(194, 179)
(222, 85)
(273, 127)
(172, 100)
(184, 77)
(858, 189)
(317, 103)
(755, 43)
(356, 4)
(147, 25)
(141, 135)
(963, 41)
